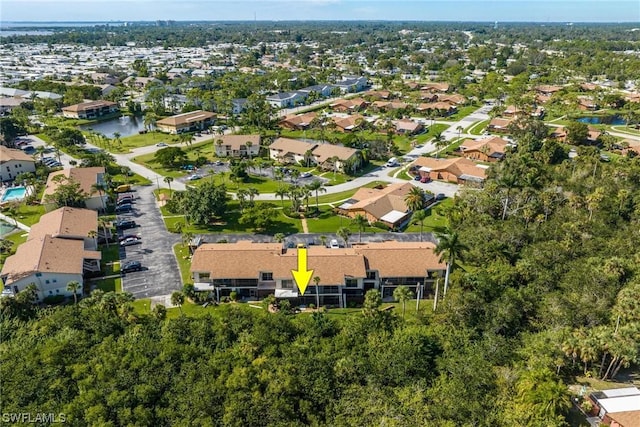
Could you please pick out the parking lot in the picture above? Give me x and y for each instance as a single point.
(159, 274)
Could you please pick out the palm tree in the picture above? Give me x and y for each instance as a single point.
(418, 218)
(168, 180)
(317, 186)
(361, 224)
(459, 129)
(279, 237)
(439, 142)
(344, 233)
(99, 188)
(74, 286)
(402, 294)
(316, 281)
(415, 199)
(449, 248)
(102, 223)
(281, 192)
(177, 298)
(219, 143)
(249, 144)
(116, 138)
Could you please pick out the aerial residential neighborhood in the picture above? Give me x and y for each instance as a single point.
(328, 223)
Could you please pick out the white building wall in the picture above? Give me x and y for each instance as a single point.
(11, 168)
(48, 284)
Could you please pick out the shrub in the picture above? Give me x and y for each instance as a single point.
(54, 299)
(381, 225)
(234, 296)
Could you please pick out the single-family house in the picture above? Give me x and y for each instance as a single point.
(186, 122)
(238, 105)
(349, 123)
(140, 82)
(288, 151)
(499, 124)
(490, 149)
(587, 103)
(548, 89)
(386, 205)
(13, 162)
(90, 110)
(379, 94)
(256, 270)
(408, 127)
(389, 105)
(617, 407)
(321, 91)
(452, 98)
(436, 87)
(458, 170)
(286, 99)
(298, 121)
(9, 103)
(438, 108)
(335, 157)
(237, 145)
(86, 177)
(349, 105)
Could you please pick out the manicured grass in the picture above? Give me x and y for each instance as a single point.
(230, 224)
(143, 140)
(260, 183)
(330, 222)
(477, 128)
(435, 218)
(184, 262)
(462, 112)
(201, 149)
(343, 195)
(452, 147)
(18, 237)
(411, 316)
(110, 265)
(29, 214)
(44, 137)
(143, 306)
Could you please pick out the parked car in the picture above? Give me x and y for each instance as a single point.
(440, 196)
(333, 244)
(129, 236)
(195, 177)
(130, 266)
(123, 188)
(127, 207)
(121, 202)
(416, 178)
(306, 175)
(161, 144)
(125, 197)
(129, 241)
(125, 224)
(425, 179)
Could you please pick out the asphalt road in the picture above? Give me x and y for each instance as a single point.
(160, 274)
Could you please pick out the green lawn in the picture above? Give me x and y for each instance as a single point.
(184, 262)
(329, 222)
(110, 265)
(18, 237)
(230, 224)
(29, 214)
(435, 219)
(128, 143)
(477, 128)
(143, 306)
(204, 149)
(462, 112)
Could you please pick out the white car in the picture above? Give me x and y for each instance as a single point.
(306, 175)
(333, 244)
(161, 144)
(195, 177)
(130, 241)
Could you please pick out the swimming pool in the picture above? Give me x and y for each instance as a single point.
(5, 228)
(14, 193)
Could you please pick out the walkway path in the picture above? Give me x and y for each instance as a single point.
(305, 227)
(15, 223)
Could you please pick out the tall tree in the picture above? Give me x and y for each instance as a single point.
(450, 248)
(402, 294)
(361, 222)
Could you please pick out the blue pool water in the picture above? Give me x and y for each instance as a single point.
(15, 193)
(5, 228)
(606, 120)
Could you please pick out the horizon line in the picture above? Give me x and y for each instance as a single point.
(315, 20)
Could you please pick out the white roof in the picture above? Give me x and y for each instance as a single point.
(345, 205)
(620, 404)
(626, 391)
(202, 287)
(393, 216)
(425, 169)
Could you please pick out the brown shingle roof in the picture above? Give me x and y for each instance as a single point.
(7, 154)
(85, 176)
(84, 106)
(440, 87)
(246, 260)
(47, 255)
(324, 152)
(500, 123)
(294, 146)
(180, 119)
(235, 141)
(626, 418)
(66, 221)
(400, 259)
(380, 202)
(458, 166)
(490, 145)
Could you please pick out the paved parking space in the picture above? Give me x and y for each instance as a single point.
(160, 274)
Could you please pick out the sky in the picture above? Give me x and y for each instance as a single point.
(417, 10)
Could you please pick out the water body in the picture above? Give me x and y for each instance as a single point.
(603, 120)
(5, 228)
(124, 125)
(8, 33)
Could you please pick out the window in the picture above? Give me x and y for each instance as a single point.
(46, 281)
(54, 280)
(351, 283)
(266, 276)
(287, 284)
(371, 275)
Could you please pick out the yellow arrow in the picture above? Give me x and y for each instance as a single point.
(302, 276)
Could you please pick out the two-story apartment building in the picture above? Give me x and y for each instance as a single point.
(237, 145)
(186, 122)
(256, 270)
(60, 249)
(86, 177)
(14, 162)
(90, 110)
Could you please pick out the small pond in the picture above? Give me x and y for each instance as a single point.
(124, 125)
(603, 120)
